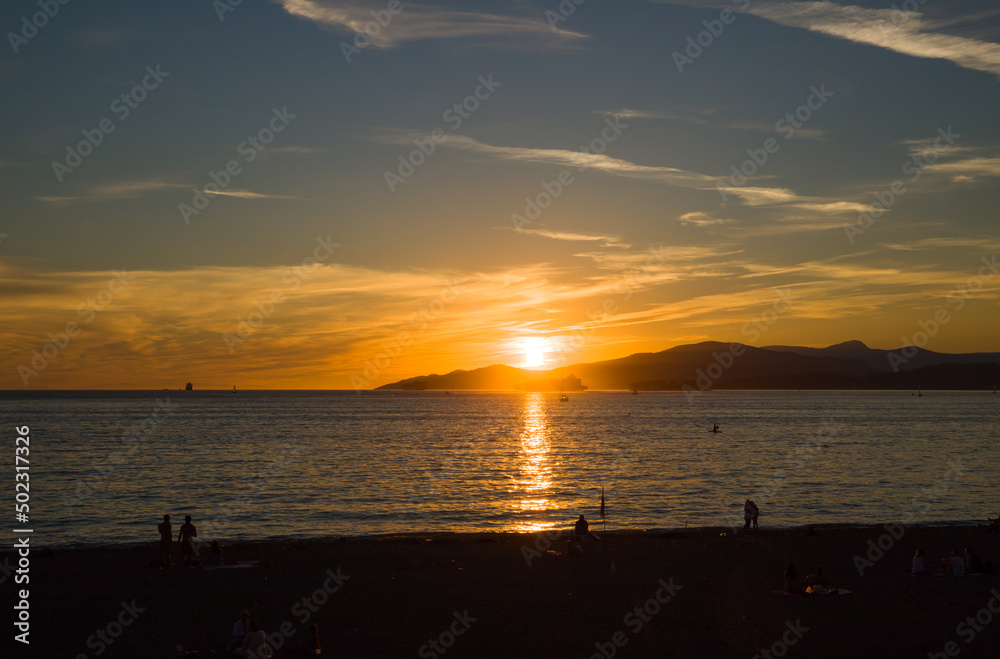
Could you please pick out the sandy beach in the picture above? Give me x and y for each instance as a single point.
(692, 593)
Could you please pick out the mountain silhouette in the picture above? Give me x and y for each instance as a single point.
(716, 365)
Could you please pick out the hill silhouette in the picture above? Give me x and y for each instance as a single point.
(715, 365)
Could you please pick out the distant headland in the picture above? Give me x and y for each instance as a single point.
(715, 365)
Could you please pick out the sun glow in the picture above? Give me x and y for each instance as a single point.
(534, 352)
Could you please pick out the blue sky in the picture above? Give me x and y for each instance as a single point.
(642, 235)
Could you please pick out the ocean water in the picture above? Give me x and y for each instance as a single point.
(105, 466)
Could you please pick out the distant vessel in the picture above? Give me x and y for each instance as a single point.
(635, 389)
(568, 383)
(563, 398)
(188, 387)
(994, 388)
(234, 388)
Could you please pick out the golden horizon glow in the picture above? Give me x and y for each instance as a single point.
(147, 336)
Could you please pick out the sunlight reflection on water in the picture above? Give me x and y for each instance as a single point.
(306, 464)
(535, 470)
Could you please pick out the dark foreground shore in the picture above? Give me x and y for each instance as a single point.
(672, 594)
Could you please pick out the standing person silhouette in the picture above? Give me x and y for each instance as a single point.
(750, 513)
(582, 527)
(185, 538)
(166, 539)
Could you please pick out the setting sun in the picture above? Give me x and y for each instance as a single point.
(534, 352)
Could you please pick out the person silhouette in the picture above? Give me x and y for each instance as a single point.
(919, 565)
(240, 630)
(185, 538)
(166, 539)
(215, 554)
(582, 527)
(750, 513)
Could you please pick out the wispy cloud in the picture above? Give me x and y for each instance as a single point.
(419, 22)
(975, 244)
(700, 219)
(754, 196)
(707, 118)
(606, 241)
(970, 169)
(584, 161)
(915, 36)
(749, 195)
(247, 194)
(113, 191)
(134, 189)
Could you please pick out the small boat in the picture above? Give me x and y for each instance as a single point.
(234, 388)
(563, 398)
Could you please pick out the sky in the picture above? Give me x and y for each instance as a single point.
(337, 195)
